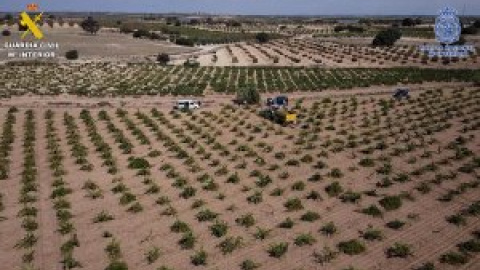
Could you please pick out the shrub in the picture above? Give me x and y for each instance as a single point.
(310, 216)
(293, 204)
(261, 234)
(278, 250)
(351, 247)
(395, 224)
(163, 58)
(103, 217)
(367, 162)
(249, 265)
(206, 215)
(71, 55)
(373, 211)
(138, 163)
(230, 244)
(6, 33)
(184, 42)
(179, 226)
(286, 224)
(152, 255)
(329, 228)
(372, 234)
(304, 239)
(246, 220)
(219, 229)
(458, 220)
(336, 173)
(334, 189)
(117, 265)
(470, 246)
(387, 37)
(390, 203)
(426, 266)
(248, 95)
(187, 241)
(262, 37)
(399, 250)
(199, 258)
(454, 258)
(350, 197)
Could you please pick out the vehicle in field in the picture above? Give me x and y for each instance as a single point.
(279, 101)
(187, 104)
(281, 116)
(401, 93)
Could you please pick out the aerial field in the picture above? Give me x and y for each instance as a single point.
(361, 182)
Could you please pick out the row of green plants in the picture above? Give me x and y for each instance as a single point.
(59, 195)
(148, 79)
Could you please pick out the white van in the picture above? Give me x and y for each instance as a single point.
(187, 104)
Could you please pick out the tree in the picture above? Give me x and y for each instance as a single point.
(90, 25)
(163, 58)
(262, 37)
(387, 37)
(408, 22)
(184, 42)
(476, 24)
(248, 95)
(71, 55)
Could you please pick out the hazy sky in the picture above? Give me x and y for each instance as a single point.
(266, 7)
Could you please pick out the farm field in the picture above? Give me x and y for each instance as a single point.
(324, 53)
(136, 79)
(361, 182)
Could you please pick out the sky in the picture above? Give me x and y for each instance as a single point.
(253, 7)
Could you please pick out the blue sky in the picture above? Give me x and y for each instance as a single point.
(265, 7)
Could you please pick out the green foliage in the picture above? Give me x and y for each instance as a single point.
(310, 216)
(305, 239)
(277, 250)
(199, 258)
(249, 265)
(387, 37)
(248, 95)
(454, 258)
(219, 228)
(152, 255)
(230, 244)
(293, 204)
(351, 247)
(334, 189)
(390, 203)
(246, 220)
(399, 250)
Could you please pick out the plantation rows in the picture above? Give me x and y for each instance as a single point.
(101, 79)
(359, 178)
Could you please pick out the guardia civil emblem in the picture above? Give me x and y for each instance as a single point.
(447, 26)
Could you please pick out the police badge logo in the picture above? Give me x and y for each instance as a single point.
(447, 26)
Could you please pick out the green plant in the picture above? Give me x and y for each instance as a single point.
(179, 227)
(230, 244)
(103, 216)
(206, 215)
(334, 189)
(187, 241)
(152, 255)
(261, 234)
(391, 203)
(219, 228)
(286, 224)
(329, 229)
(310, 216)
(395, 224)
(351, 247)
(246, 220)
(373, 211)
(454, 258)
(293, 204)
(304, 239)
(249, 265)
(277, 250)
(199, 258)
(399, 250)
(372, 234)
